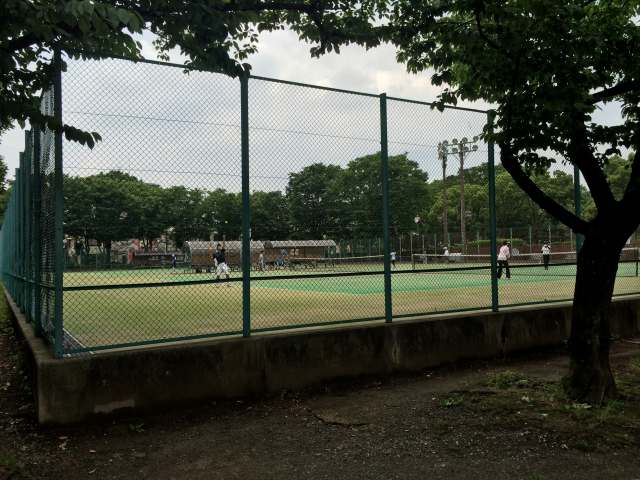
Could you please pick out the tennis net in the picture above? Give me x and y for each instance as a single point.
(422, 261)
(337, 263)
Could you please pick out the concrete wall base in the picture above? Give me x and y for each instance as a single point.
(72, 389)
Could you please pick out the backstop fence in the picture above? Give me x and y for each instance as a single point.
(232, 206)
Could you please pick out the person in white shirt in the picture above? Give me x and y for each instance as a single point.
(446, 254)
(504, 254)
(393, 259)
(546, 255)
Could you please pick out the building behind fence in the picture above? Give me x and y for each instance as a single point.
(332, 206)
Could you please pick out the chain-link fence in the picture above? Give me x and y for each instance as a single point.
(221, 206)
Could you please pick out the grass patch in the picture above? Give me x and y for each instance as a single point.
(8, 465)
(508, 379)
(452, 401)
(543, 406)
(5, 322)
(634, 364)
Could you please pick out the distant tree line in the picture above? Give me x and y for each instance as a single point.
(319, 201)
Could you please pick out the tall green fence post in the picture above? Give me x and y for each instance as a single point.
(28, 186)
(577, 194)
(23, 224)
(492, 217)
(384, 156)
(58, 327)
(20, 241)
(35, 237)
(246, 212)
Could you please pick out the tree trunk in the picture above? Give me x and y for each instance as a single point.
(590, 379)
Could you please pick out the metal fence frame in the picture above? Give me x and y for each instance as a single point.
(23, 247)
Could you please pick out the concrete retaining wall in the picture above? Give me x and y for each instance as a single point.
(72, 389)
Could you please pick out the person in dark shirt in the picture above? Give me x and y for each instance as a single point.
(220, 262)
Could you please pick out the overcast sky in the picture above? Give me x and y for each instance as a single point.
(174, 130)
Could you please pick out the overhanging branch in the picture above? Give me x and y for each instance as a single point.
(491, 43)
(20, 43)
(615, 91)
(553, 208)
(263, 6)
(581, 155)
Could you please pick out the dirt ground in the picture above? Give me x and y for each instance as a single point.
(505, 419)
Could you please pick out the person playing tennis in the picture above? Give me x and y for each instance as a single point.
(546, 255)
(220, 262)
(504, 254)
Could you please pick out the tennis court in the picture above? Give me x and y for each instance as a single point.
(301, 183)
(133, 306)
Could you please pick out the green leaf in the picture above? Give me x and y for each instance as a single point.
(124, 16)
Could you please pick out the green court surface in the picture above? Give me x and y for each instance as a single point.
(113, 316)
(433, 280)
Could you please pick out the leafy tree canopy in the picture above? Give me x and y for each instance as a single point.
(547, 65)
(212, 34)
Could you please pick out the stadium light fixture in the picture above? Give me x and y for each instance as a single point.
(461, 149)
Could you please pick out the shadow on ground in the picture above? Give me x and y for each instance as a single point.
(506, 419)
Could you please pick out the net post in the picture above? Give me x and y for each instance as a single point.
(35, 238)
(59, 208)
(578, 202)
(384, 157)
(492, 216)
(246, 212)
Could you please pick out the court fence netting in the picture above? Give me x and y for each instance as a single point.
(217, 206)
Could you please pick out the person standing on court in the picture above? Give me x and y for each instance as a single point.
(220, 262)
(393, 259)
(546, 255)
(504, 254)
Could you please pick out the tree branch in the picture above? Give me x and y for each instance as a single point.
(21, 42)
(486, 38)
(581, 155)
(261, 6)
(615, 91)
(511, 165)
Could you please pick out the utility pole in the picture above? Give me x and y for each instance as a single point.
(463, 211)
(442, 153)
(461, 149)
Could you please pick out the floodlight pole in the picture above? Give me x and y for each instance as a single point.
(461, 149)
(442, 153)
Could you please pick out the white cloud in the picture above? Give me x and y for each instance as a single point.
(295, 115)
